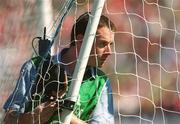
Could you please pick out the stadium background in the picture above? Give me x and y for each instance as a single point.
(145, 67)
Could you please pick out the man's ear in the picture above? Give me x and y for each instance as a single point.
(79, 41)
(79, 37)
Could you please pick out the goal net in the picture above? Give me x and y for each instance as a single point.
(145, 61)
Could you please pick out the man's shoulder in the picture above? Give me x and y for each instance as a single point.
(36, 60)
(32, 63)
(99, 73)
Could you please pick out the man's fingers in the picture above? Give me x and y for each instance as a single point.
(49, 104)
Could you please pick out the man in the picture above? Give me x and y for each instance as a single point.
(94, 106)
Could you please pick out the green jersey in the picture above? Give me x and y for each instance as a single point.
(90, 91)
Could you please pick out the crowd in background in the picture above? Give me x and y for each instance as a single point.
(146, 54)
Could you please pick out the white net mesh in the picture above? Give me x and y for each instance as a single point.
(144, 66)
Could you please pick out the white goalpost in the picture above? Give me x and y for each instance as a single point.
(81, 64)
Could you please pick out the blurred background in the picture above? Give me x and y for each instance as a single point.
(143, 69)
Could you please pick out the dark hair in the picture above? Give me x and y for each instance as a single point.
(81, 23)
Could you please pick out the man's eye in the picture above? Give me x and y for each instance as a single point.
(101, 45)
(111, 44)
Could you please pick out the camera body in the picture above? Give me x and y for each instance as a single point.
(51, 81)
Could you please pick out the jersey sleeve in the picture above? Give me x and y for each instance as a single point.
(18, 98)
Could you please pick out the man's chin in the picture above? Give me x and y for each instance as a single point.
(97, 64)
(100, 65)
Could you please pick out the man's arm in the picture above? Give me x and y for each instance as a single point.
(15, 105)
(75, 120)
(16, 102)
(40, 115)
(19, 96)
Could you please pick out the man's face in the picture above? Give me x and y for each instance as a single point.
(102, 47)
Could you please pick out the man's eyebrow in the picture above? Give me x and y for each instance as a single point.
(97, 35)
(103, 40)
(100, 36)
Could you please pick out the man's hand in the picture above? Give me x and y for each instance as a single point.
(40, 115)
(75, 120)
(43, 112)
